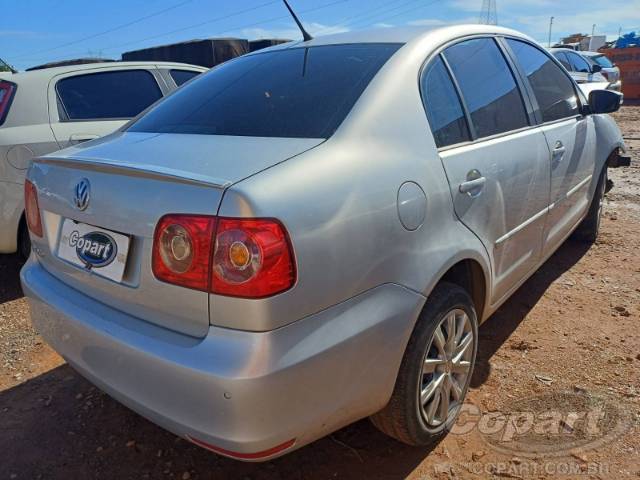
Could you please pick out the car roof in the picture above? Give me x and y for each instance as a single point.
(406, 35)
(552, 50)
(47, 73)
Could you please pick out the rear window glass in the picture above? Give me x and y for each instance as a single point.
(107, 95)
(182, 76)
(296, 93)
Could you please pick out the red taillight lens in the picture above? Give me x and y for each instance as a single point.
(252, 258)
(32, 211)
(249, 258)
(182, 248)
(7, 90)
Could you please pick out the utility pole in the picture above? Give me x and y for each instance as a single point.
(550, 27)
(488, 13)
(593, 32)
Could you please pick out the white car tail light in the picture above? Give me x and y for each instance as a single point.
(7, 91)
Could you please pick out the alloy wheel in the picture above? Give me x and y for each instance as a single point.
(446, 368)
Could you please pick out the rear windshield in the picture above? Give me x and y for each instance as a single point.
(602, 61)
(294, 93)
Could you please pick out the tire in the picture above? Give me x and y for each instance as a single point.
(406, 418)
(24, 242)
(589, 228)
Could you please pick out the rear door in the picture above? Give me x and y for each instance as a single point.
(570, 137)
(495, 158)
(85, 105)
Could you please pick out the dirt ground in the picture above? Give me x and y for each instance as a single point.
(566, 342)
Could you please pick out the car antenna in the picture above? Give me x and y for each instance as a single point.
(305, 34)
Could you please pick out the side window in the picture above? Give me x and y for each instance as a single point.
(552, 87)
(487, 86)
(443, 107)
(182, 76)
(562, 58)
(578, 64)
(107, 95)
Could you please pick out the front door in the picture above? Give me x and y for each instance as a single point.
(570, 138)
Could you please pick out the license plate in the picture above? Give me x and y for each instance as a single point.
(96, 249)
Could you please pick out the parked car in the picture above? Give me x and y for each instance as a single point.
(47, 109)
(610, 71)
(311, 234)
(584, 72)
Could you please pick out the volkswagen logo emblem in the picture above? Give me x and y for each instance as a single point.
(82, 194)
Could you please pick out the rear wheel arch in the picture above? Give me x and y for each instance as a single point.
(471, 276)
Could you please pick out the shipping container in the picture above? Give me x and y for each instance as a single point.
(265, 43)
(628, 60)
(207, 53)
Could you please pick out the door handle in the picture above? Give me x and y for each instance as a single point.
(473, 187)
(82, 137)
(559, 151)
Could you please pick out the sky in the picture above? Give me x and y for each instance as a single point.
(33, 32)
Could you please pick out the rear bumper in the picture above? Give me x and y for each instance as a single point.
(240, 391)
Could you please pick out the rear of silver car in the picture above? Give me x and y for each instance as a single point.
(167, 346)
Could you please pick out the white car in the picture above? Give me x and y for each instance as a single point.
(44, 110)
(581, 69)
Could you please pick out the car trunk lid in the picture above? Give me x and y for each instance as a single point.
(135, 179)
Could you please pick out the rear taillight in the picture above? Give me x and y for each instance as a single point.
(237, 257)
(32, 210)
(7, 90)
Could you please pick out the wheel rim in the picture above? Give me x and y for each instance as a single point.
(446, 368)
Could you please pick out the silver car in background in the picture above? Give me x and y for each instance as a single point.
(46, 109)
(609, 70)
(311, 234)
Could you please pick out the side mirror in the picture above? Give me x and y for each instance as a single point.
(604, 101)
(596, 68)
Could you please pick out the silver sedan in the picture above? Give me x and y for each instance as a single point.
(311, 234)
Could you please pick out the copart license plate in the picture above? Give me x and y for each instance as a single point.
(102, 251)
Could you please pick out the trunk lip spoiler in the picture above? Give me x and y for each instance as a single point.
(132, 169)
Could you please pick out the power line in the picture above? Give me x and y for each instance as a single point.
(404, 12)
(214, 20)
(113, 29)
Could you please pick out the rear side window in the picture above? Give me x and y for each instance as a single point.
(578, 64)
(444, 111)
(562, 58)
(107, 95)
(552, 87)
(487, 86)
(182, 76)
(294, 92)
